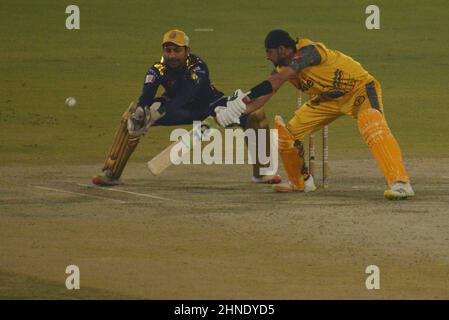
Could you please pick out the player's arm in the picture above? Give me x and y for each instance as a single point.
(241, 103)
(147, 110)
(150, 86)
(257, 103)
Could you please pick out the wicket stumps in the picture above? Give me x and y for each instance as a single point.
(325, 158)
(312, 150)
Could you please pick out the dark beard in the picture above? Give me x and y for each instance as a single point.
(283, 63)
(181, 67)
(280, 64)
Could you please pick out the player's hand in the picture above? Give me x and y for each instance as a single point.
(235, 108)
(237, 102)
(225, 117)
(143, 118)
(136, 122)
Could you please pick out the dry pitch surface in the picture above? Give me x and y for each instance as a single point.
(206, 232)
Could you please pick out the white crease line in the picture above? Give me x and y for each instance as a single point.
(124, 191)
(204, 29)
(77, 193)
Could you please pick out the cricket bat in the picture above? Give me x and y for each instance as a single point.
(162, 161)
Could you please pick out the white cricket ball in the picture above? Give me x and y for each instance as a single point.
(70, 102)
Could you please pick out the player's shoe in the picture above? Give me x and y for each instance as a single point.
(267, 179)
(309, 186)
(105, 181)
(399, 190)
(285, 187)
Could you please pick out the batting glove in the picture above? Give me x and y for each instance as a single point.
(235, 108)
(224, 117)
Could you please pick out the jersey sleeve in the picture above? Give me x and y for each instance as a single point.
(150, 86)
(308, 56)
(322, 50)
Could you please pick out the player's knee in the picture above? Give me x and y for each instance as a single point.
(286, 140)
(297, 129)
(372, 125)
(369, 117)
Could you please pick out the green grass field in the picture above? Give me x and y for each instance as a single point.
(207, 232)
(103, 65)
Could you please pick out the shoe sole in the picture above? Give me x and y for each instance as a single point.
(98, 181)
(394, 196)
(310, 190)
(274, 180)
(281, 189)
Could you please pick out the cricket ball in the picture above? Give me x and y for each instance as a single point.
(70, 102)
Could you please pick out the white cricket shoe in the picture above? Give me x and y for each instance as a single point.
(399, 190)
(309, 184)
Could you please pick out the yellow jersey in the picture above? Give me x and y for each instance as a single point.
(335, 76)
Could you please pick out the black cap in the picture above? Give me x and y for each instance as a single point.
(277, 38)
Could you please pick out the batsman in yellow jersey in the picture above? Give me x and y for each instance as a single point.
(337, 85)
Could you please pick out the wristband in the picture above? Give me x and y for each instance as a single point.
(262, 89)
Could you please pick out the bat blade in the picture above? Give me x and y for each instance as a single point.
(163, 160)
(160, 162)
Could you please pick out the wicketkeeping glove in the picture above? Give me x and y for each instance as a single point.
(143, 118)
